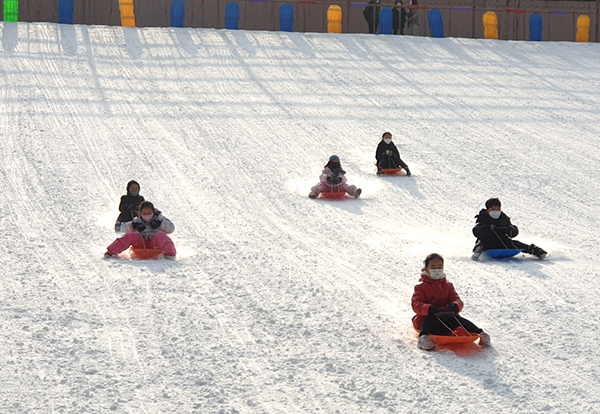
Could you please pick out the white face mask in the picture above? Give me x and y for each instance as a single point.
(387, 140)
(495, 214)
(436, 274)
(147, 217)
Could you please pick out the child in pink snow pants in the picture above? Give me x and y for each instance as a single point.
(148, 231)
(333, 180)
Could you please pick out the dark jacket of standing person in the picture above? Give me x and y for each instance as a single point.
(371, 14)
(399, 18)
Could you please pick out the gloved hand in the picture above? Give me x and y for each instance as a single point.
(512, 231)
(433, 311)
(329, 179)
(130, 207)
(336, 180)
(138, 226)
(155, 223)
(452, 308)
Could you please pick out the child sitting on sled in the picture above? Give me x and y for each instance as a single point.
(129, 205)
(388, 156)
(494, 230)
(437, 306)
(333, 180)
(148, 231)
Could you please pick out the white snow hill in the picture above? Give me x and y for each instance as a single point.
(277, 303)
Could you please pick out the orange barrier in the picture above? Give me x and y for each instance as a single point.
(334, 19)
(127, 13)
(490, 25)
(583, 28)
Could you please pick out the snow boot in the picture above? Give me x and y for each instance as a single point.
(314, 192)
(169, 257)
(537, 251)
(358, 193)
(408, 174)
(108, 254)
(477, 252)
(484, 340)
(425, 343)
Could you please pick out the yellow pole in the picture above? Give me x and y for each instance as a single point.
(127, 13)
(334, 19)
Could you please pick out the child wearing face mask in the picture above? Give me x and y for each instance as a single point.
(388, 156)
(148, 231)
(437, 306)
(129, 204)
(333, 180)
(494, 230)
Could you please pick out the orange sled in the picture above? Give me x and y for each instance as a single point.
(391, 171)
(145, 254)
(339, 194)
(459, 336)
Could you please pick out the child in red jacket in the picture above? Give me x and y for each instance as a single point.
(437, 306)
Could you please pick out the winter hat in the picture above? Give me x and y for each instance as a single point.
(386, 133)
(335, 159)
(130, 183)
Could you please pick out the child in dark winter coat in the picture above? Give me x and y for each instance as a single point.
(148, 231)
(494, 230)
(129, 204)
(333, 180)
(437, 306)
(388, 156)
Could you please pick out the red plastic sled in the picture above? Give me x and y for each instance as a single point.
(340, 194)
(145, 254)
(391, 171)
(459, 336)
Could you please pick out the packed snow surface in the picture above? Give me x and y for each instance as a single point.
(277, 303)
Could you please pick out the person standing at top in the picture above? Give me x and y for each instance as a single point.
(371, 14)
(412, 19)
(399, 18)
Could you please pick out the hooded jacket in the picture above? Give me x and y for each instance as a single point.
(148, 232)
(129, 204)
(383, 147)
(328, 172)
(432, 292)
(498, 237)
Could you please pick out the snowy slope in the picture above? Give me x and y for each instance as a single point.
(278, 303)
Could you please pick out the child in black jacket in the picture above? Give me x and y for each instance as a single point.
(388, 156)
(494, 230)
(129, 205)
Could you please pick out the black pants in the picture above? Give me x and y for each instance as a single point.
(517, 245)
(433, 325)
(391, 162)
